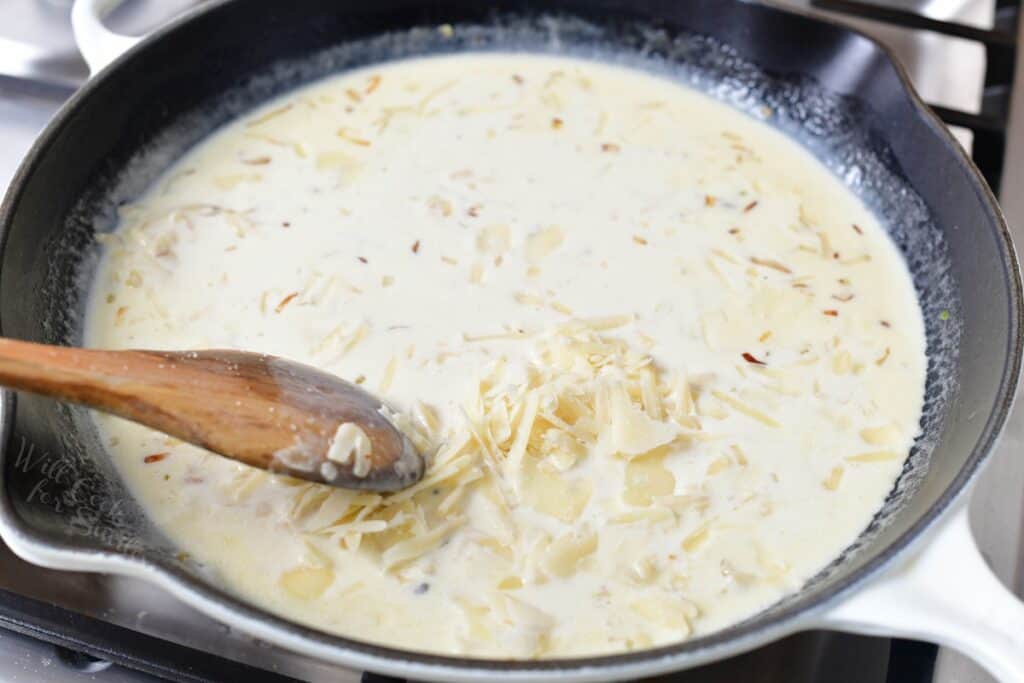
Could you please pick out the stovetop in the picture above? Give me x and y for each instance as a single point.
(66, 626)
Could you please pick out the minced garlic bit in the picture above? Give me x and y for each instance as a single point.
(351, 445)
(543, 242)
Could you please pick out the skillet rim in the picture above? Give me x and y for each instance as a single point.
(753, 632)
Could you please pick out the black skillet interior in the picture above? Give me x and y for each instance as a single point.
(833, 89)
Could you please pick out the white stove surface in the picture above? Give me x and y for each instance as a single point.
(39, 67)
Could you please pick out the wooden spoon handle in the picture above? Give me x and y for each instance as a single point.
(143, 386)
(86, 376)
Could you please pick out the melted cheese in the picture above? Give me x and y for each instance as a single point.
(666, 366)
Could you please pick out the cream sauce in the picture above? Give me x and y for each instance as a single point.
(732, 410)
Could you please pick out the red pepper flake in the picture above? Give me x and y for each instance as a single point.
(709, 200)
(362, 259)
(751, 359)
(286, 224)
(285, 301)
(750, 207)
(557, 123)
(155, 457)
(610, 147)
(193, 479)
(474, 210)
(857, 229)
(831, 312)
(639, 240)
(359, 141)
(843, 297)
(416, 247)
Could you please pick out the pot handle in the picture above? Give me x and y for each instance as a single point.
(945, 594)
(98, 44)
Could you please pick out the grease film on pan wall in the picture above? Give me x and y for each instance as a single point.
(564, 340)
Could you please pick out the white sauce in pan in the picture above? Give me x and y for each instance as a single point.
(669, 365)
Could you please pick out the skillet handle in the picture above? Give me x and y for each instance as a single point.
(947, 595)
(98, 44)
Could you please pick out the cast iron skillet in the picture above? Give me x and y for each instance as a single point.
(833, 89)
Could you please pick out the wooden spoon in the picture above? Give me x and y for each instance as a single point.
(260, 410)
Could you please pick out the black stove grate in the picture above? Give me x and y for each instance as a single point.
(989, 125)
